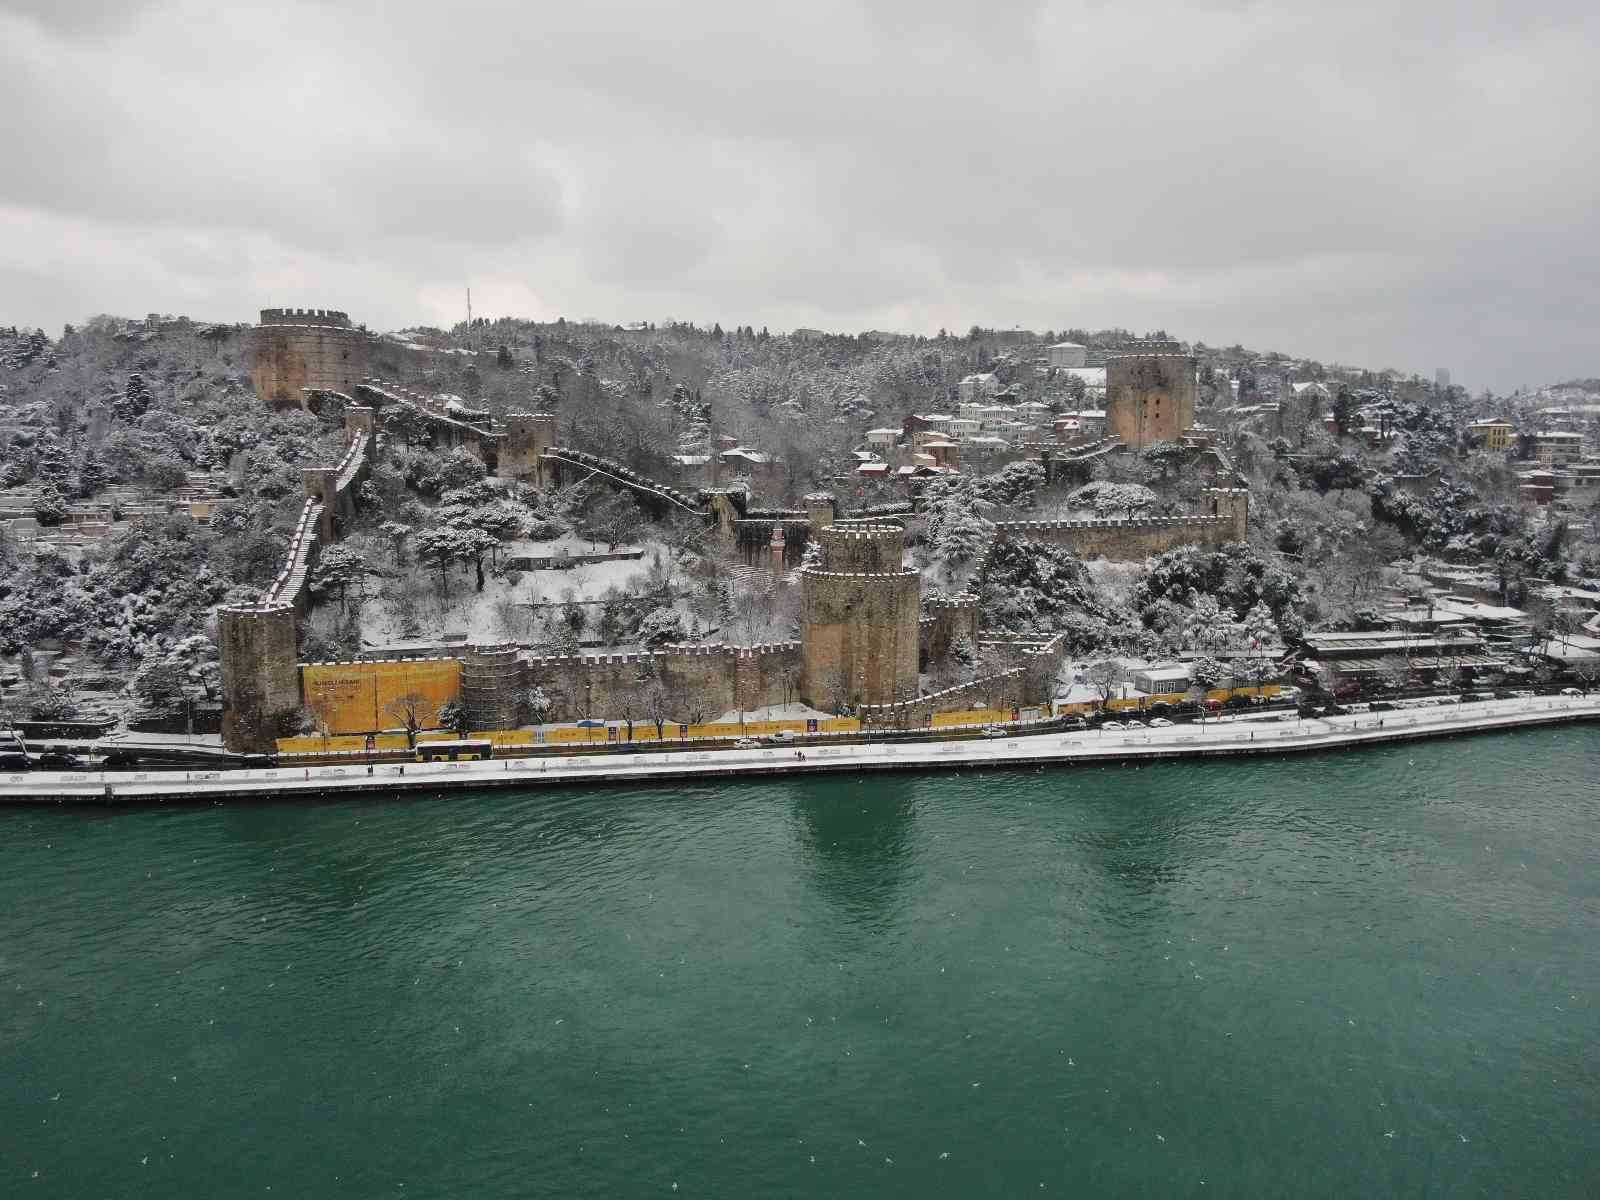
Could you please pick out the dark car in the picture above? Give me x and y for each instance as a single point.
(1382, 706)
(59, 759)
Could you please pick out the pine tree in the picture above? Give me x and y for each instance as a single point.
(134, 401)
(92, 473)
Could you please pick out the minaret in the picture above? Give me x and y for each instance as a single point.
(777, 551)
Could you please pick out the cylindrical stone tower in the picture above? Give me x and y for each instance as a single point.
(296, 348)
(260, 674)
(491, 687)
(859, 618)
(1149, 397)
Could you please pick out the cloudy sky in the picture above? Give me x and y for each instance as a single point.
(1407, 184)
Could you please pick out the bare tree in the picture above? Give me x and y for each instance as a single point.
(1105, 678)
(654, 702)
(414, 712)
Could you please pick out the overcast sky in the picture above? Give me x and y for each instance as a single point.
(1409, 185)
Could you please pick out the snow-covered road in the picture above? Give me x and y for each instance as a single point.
(1220, 738)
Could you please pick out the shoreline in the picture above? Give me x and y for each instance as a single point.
(1219, 740)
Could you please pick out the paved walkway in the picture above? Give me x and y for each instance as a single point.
(1211, 739)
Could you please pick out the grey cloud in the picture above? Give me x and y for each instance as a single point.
(1405, 185)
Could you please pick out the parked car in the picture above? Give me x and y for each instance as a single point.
(1571, 692)
(993, 731)
(1114, 726)
(746, 744)
(1160, 708)
(59, 759)
(782, 736)
(1160, 723)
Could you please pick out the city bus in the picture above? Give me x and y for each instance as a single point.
(462, 750)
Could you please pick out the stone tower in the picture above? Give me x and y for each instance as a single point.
(527, 436)
(859, 618)
(296, 348)
(260, 674)
(491, 687)
(1150, 396)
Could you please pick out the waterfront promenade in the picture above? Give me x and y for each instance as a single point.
(1219, 738)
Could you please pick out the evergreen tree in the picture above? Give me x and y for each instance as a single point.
(134, 401)
(92, 473)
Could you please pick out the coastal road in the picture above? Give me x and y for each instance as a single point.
(1200, 740)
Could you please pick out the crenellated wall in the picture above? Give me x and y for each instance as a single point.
(695, 682)
(1129, 541)
(1001, 690)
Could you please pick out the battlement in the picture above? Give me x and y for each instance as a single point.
(326, 318)
(844, 532)
(862, 549)
(818, 573)
(263, 610)
(1024, 528)
(904, 712)
(958, 603)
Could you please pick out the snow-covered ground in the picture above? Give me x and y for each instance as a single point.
(483, 616)
(794, 711)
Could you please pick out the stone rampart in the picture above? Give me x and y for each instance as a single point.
(1124, 541)
(565, 466)
(1003, 689)
(330, 491)
(696, 683)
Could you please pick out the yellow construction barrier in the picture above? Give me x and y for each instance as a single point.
(354, 697)
(972, 716)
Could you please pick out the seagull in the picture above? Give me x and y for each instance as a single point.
(1462, 1136)
(859, 1142)
(944, 1155)
(1159, 1138)
(1390, 1134)
(145, 1161)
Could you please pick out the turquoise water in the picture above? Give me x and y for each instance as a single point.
(1363, 974)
